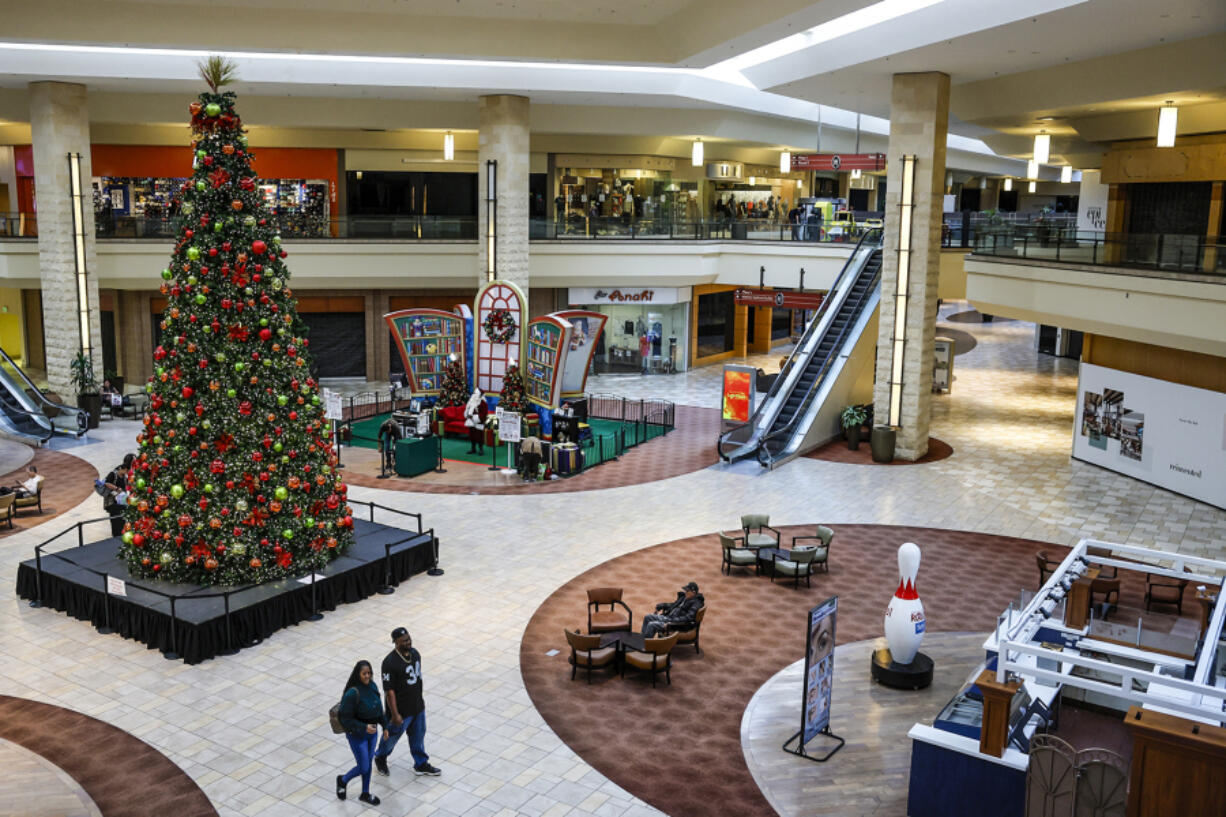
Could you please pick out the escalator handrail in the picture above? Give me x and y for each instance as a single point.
(46, 432)
(38, 395)
(875, 235)
(788, 429)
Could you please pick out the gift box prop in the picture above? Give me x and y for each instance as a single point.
(566, 459)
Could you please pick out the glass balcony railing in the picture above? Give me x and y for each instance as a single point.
(464, 229)
(1187, 254)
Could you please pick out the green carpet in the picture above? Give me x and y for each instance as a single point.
(605, 443)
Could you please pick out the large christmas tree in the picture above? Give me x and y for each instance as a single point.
(235, 481)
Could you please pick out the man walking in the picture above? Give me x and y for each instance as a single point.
(406, 711)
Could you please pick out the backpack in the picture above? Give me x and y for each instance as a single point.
(334, 719)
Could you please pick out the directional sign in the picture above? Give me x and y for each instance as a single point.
(838, 161)
(779, 298)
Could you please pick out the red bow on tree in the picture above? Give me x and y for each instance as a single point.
(219, 177)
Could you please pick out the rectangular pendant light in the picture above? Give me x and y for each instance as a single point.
(448, 146)
(1009, 185)
(1066, 174)
(785, 162)
(855, 174)
(1168, 118)
(1032, 169)
(1042, 147)
(1030, 188)
(696, 153)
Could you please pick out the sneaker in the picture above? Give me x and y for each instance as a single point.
(367, 797)
(426, 768)
(341, 788)
(381, 765)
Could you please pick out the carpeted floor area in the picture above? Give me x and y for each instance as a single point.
(690, 446)
(837, 451)
(66, 481)
(678, 747)
(123, 775)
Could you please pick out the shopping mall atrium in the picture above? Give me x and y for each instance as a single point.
(734, 409)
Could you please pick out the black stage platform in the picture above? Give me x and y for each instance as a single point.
(73, 581)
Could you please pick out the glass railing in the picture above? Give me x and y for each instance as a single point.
(1151, 251)
(960, 230)
(464, 228)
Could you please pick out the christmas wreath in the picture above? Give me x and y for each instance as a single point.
(499, 326)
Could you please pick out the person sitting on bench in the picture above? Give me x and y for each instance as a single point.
(679, 612)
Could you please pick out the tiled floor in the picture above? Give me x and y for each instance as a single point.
(251, 729)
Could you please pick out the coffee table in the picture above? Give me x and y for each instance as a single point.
(624, 639)
(766, 559)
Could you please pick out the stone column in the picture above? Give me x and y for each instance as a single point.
(503, 137)
(59, 125)
(919, 120)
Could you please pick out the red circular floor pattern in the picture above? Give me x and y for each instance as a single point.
(679, 747)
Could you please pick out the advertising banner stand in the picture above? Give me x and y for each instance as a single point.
(818, 681)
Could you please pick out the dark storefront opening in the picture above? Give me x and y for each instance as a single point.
(716, 323)
(1174, 208)
(338, 343)
(781, 323)
(393, 193)
(1007, 201)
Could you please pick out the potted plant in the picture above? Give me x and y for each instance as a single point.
(86, 385)
(853, 418)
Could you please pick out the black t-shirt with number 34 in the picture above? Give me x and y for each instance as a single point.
(403, 676)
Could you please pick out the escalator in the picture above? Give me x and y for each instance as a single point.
(784, 424)
(28, 414)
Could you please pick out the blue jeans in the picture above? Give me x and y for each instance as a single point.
(416, 727)
(363, 747)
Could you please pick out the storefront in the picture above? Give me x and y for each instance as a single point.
(659, 313)
(753, 192)
(597, 195)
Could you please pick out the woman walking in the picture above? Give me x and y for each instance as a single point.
(361, 714)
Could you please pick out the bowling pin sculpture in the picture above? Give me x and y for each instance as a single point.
(904, 617)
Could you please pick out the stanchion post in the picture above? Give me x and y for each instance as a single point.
(229, 650)
(434, 570)
(493, 458)
(438, 442)
(105, 629)
(38, 577)
(171, 654)
(315, 614)
(386, 589)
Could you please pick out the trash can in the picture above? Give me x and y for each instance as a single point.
(882, 442)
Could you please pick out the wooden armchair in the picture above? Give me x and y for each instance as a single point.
(585, 651)
(1047, 566)
(656, 657)
(1164, 590)
(735, 554)
(6, 507)
(824, 536)
(612, 619)
(686, 636)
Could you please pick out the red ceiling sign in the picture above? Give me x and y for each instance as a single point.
(838, 161)
(779, 298)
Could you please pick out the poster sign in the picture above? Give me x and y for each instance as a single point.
(1170, 435)
(819, 669)
(508, 427)
(779, 298)
(332, 405)
(1092, 202)
(116, 587)
(838, 161)
(738, 398)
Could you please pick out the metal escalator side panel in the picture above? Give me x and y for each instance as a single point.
(20, 411)
(855, 311)
(57, 416)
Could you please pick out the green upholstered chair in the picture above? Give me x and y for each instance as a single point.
(823, 537)
(756, 526)
(796, 564)
(735, 554)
